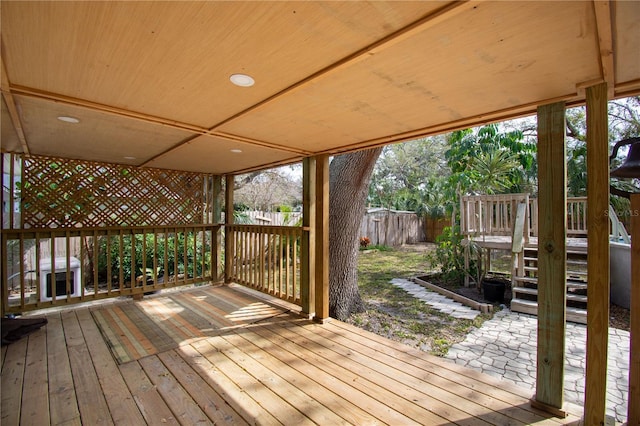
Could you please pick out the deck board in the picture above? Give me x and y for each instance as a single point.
(281, 370)
(214, 405)
(121, 404)
(12, 379)
(63, 402)
(176, 397)
(35, 397)
(303, 372)
(91, 401)
(154, 410)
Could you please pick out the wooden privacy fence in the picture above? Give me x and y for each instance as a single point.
(392, 228)
(97, 263)
(274, 218)
(267, 259)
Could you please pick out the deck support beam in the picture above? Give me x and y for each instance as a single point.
(229, 247)
(552, 258)
(633, 416)
(307, 244)
(597, 255)
(322, 238)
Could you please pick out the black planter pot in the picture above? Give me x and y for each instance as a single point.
(493, 290)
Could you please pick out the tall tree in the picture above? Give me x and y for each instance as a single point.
(349, 177)
(490, 160)
(405, 172)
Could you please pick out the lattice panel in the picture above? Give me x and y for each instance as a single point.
(70, 193)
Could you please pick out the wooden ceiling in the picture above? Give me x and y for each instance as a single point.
(149, 81)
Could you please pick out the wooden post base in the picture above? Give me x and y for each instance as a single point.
(557, 412)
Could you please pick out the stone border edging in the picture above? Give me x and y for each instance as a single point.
(485, 308)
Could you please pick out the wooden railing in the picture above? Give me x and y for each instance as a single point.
(267, 259)
(484, 215)
(52, 267)
(493, 215)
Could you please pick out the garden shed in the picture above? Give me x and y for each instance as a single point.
(123, 124)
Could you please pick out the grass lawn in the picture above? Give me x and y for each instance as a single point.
(393, 313)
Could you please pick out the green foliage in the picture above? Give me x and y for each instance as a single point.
(490, 161)
(403, 174)
(165, 246)
(449, 255)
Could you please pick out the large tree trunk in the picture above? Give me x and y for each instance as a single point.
(349, 177)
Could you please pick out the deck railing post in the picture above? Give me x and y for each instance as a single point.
(633, 417)
(216, 236)
(307, 243)
(229, 247)
(322, 239)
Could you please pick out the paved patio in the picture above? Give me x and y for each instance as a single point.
(505, 347)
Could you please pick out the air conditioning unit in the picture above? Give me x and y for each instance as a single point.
(55, 279)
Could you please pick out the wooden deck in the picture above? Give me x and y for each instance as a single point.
(280, 370)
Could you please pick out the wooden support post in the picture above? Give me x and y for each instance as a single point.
(322, 239)
(216, 239)
(552, 258)
(229, 237)
(597, 255)
(633, 417)
(307, 245)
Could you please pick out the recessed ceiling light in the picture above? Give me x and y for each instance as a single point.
(68, 119)
(242, 80)
(129, 158)
(236, 151)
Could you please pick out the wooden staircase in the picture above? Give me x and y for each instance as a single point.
(525, 285)
(510, 222)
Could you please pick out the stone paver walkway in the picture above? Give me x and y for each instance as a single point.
(436, 300)
(505, 346)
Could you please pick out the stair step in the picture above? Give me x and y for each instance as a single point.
(528, 307)
(532, 280)
(534, 292)
(579, 262)
(571, 275)
(571, 284)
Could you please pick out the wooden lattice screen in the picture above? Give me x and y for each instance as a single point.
(71, 193)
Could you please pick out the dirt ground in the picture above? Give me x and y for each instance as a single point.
(619, 317)
(393, 313)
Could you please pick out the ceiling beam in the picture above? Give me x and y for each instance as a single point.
(571, 100)
(422, 24)
(11, 106)
(602, 9)
(121, 112)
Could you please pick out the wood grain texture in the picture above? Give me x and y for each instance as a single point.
(598, 254)
(552, 263)
(322, 238)
(283, 370)
(307, 244)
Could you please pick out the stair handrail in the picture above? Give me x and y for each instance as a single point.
(618, 231)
